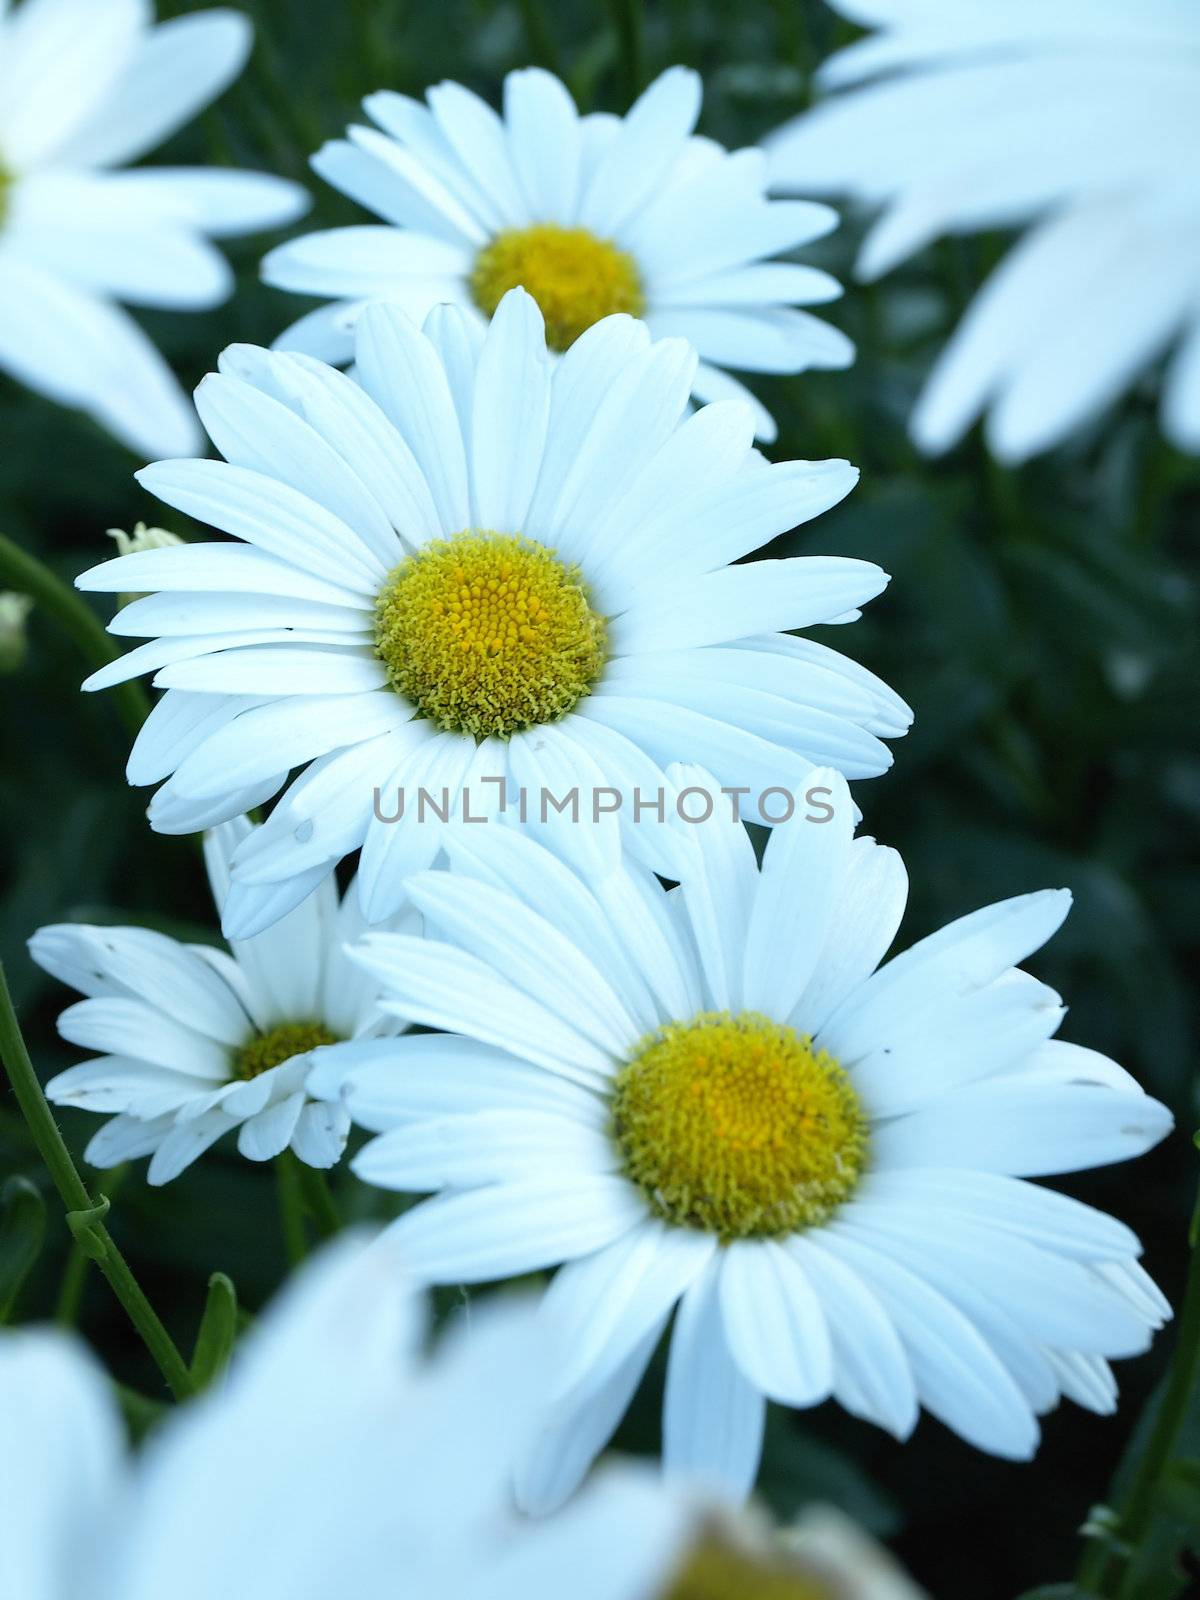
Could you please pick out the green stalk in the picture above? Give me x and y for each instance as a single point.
(291, 1208)
(19, 570)
(318, 1201)
(85, 1217)
(1105, 1562)
(627, 21)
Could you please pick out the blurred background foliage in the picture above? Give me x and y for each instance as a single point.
(1043, 623)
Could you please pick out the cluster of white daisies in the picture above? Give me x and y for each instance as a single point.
(501, 556)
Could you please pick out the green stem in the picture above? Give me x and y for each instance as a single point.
(627, 20)
(318, 1201)
(19, 570)
(1103, 1566)
(291, 1208)
(85, 1217)
(70, 1289)
(537, 32)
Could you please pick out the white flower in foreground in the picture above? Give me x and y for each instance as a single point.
(86, 86)
(470, 565)
(710, 1099)
(334, 1460)
(199, 1042)
(1081, 120)
(592, 215)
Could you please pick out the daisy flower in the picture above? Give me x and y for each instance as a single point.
(470, 568)
(715, 1102)
(198, 1042)
(335, 1458)
(87, 86)
(336, 1455)
(592, 215)
(1082, 121)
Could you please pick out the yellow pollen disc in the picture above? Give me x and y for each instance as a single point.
(6, 184)
(279, 1044)
(716, 1570)
(488, 633)
(575, 278)
(736, 1125)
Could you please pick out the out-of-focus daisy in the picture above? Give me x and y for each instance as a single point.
(85, 87)
(198, 1042)
(710, 1102)
(1082, 120)
(474, 565)
(336, 1459)
(592, 215)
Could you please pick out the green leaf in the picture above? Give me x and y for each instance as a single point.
(1179, 1491)
(218, 1330)
(85, 1230)
(1058, 1591)
(140, 1412)
(22, 1229)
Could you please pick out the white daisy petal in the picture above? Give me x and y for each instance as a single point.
(320, 1134)
(785, 935)
(713, 1418)
(280, 520)
(502, 1230)
(67, 343)
(601, 1308)
(1005, 1128)
(1110, 209)
(263, 1136)
(430, 983)
(958, 1377)
(482, 1147)
(354, 426)
(738, 602)
(399, 369)
(176, 69)
(536, 958)
(574, 1434)
(252, 430)
(543, 140)
(871, 1373)
(441, 1075)
(773, 1320)
(510, 414)
(641, 151)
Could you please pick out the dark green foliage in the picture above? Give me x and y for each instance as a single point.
(1043, 623)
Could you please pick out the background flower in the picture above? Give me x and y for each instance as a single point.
(1081, 120)
(87, 86)
(334, 1458)
(199, 1043)
(592, 215)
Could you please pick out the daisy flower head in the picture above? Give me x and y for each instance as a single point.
(487, 576)
(334, 1455)
(337, 1451)
(715, 1102)
(87, 86)
(592, 215)
(198, 1042)
(1080, 121)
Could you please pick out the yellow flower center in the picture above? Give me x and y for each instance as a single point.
(279, 1044)
(6, 185)
(575, 278)
(716, 1570)
(487, 633)
(736, 1125)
